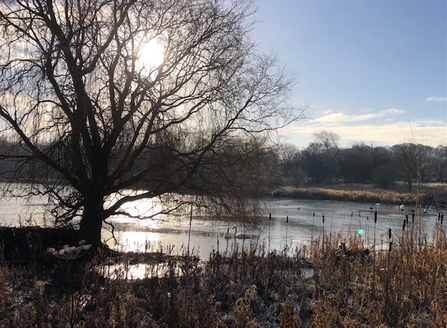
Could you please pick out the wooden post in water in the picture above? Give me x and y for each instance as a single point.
(287, 228)
(390, 239)
(323, 234)
(187, 265)
(217, 244)
(270, 219)
(375, 223)
(312, 230)
(373, 290)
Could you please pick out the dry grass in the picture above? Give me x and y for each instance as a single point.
(351, 287)
(404, 287)
(430, 194)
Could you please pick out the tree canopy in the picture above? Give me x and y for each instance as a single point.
(89, 116)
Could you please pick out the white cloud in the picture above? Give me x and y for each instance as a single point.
(341, 117)
(427, 132)
(386, 127)
(438, 99)
(334, 118)
(391, 111)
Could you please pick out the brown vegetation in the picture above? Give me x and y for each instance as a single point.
(427, 194)
(352, 285)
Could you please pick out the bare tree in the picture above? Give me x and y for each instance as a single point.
(409, 159)
(321, 159)
(91, 117)
(291, 162)
(439, 167)
(329, 142)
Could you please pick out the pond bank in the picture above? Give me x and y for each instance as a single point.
(403, 286)
(428, 195)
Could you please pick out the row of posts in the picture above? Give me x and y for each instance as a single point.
(440, 218)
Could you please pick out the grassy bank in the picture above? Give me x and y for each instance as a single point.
(425, 194)
(352, 285)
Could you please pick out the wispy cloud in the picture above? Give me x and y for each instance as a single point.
(376, 132)
(391, 111)
(342, 117)
(435, 98)
(334, 118)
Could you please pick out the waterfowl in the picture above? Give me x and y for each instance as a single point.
(227, 234)
(240, 235)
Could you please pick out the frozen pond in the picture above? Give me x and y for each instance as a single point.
(293, 222)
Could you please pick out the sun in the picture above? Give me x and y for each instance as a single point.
(151, 55)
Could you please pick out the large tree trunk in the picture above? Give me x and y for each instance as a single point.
(91, 222)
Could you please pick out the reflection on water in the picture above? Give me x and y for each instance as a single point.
(136, 271)
(294, 222)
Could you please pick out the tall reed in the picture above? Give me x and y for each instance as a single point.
(336, 281)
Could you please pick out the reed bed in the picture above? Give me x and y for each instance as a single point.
(428, 194)
(366, 196)
(402, 286)
(337, 281)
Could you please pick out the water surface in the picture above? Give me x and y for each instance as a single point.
(293, 223)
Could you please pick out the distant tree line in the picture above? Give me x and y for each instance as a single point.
(259, 168)
(323, 161)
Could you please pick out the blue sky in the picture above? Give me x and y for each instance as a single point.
(372, 71)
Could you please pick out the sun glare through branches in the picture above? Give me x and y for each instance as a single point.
(151, 55)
